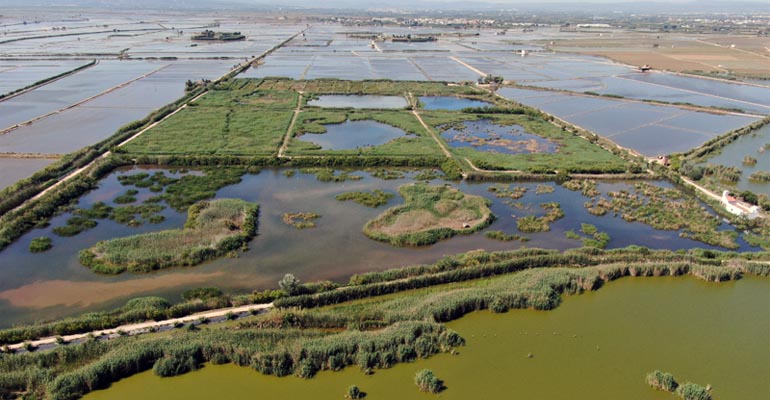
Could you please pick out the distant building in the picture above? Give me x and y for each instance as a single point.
(739, 208)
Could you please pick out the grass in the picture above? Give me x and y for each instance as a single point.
(249, 117)
(300, 220)
(374, 199)
(591, 236)
(532, 223)
(429, 214)
(504, 237)
(574, 154)
(40, 244)
(74, 226)
(235, 118)
(505, 191)
(212, 229)
(380, 86)
(760, 176)
(330, 175)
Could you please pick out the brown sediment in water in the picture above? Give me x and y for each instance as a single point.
(73, 293)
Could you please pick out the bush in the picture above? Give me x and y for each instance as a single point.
(428, 382)
(40, 244)
(662, 381)
(354, 393)
(692, 391)
(289, 284)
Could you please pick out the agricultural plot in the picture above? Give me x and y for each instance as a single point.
(241, 121)
(365, 132)
(648, 129)
(520, 142)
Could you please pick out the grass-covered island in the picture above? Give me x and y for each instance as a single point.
(429, 214)
(213, 228)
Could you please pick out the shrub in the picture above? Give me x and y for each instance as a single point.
(354, 393)
(40, 244)
(428, 382)
(662, 381)
(289, 284)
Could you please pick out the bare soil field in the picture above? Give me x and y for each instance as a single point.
(740, 55)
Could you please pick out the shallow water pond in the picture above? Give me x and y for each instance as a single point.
(54, 283)
(358, 101)
(353, 135)
(450, 103)
(595, 345)
(484, 135)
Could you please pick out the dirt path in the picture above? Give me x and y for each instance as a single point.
(147, 327)
(287, 136)
(702, 189)
(470, 67)
(431, 132)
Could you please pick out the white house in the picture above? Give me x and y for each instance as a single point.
(738, 207)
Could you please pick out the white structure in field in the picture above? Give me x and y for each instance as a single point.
(739, 208)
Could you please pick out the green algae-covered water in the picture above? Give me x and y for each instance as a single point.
(597, 345)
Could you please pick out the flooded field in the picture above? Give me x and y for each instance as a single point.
(354, 135)
(33, 287)
(449, 103)
(71, 90)
(13, 169)
(354, 101)
(484, 135)
(672, 89)
(99, 117)
(15, 75)
(582, 344)
(647, 128)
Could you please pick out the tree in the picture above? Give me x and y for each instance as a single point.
(749, 197)
(289, 284)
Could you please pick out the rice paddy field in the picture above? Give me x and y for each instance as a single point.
(649, 129)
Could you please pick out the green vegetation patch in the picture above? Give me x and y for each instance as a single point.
(330, 175)
(213, 228)
(591, 236)
(427, 381)
(74, 226)
(40, 244)
(688, 391)
(233, 118)
(504, 237)
(374, 86)
(430, 213)
(573, 155)
(665, 209)
(372, 199)
(501, 191)
(760, 176)
(532, 223)
(300, 220)
(586, 186)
